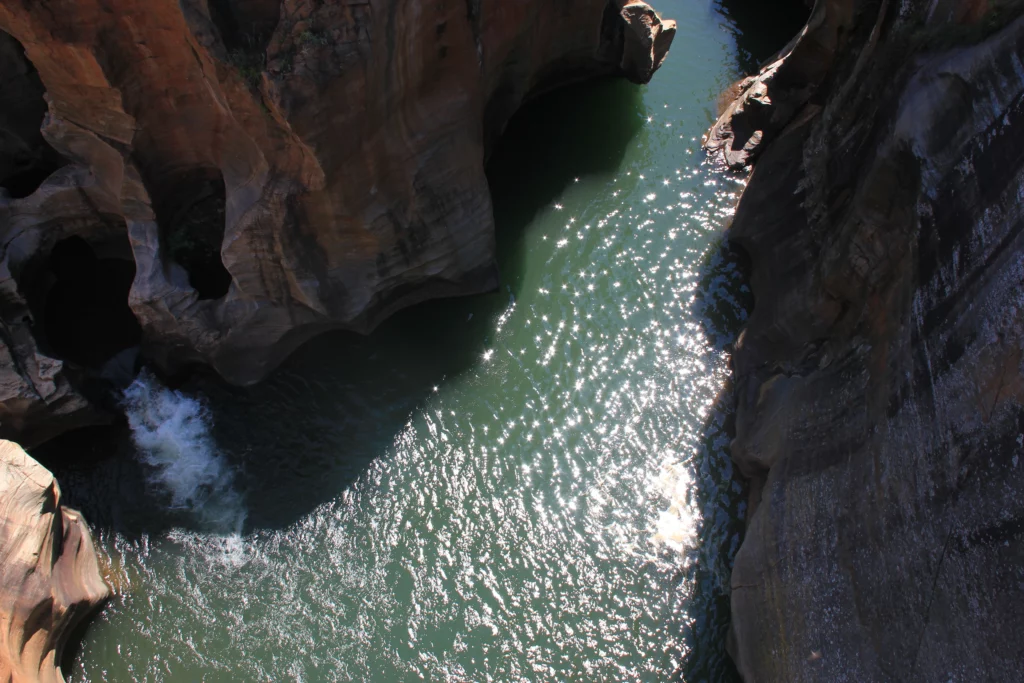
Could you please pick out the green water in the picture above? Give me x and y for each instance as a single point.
(526, 486)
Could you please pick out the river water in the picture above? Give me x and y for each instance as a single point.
(531, 485)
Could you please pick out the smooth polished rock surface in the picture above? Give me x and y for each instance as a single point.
(49, 576)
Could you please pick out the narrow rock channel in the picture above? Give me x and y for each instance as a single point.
(438, 341)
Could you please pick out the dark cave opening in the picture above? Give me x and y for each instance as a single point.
(26, 159)
(85, 314)
(192, 215)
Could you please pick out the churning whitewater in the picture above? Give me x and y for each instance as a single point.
(172, 433)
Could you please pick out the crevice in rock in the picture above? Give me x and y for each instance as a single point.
(191, 213)
(473, 17)
(26, 159)
(245, 25)
(246, 28)
(612, 33)
(501, 106)
(79, 297)
(763, 28)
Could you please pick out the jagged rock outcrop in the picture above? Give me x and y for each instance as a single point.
(880, 380)
(49, 576)
(763, 104)
(269, 169)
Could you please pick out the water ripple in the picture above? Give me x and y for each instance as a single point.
(528, 486)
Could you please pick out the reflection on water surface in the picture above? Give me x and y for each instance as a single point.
(529, 485)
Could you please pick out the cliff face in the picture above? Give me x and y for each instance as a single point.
(49, 577)
(880, 382)
(245, 174)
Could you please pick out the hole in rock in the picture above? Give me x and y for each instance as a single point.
(26, 159)
(85, 314)
(191, 215)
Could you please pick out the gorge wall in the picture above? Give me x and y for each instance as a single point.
(880, 380)
(49, 576)
(216, 181)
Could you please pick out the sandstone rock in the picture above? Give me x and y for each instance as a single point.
(763, 104)
(644, 43)
(880, 380)
(25, 158)
(275, 169)
(41, 393)
(49, 577)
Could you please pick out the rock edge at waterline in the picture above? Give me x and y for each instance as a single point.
(270, 170)
(880, 379)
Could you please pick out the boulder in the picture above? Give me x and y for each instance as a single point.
(49, 576)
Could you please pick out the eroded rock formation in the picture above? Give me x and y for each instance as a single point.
(880, 381)
(49, 576)
(263, 170)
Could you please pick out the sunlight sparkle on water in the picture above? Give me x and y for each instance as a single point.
(527, 485)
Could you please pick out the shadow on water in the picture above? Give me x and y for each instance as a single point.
(762, 28)
(723, 301)
(581, 130)
(300, 438)
(338, 403)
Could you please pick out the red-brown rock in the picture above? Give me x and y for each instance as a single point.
(49, 576)
(278, 169)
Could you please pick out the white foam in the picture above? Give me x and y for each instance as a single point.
(172, 433)
(677, 526)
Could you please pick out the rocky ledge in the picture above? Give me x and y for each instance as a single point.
(880, 380)
(216, 181)
(49, 577)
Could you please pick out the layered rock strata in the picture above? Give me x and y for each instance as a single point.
(880, 380)
(269, 169)
(49, 576)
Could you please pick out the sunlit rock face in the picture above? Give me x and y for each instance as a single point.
(270, 169)
(880, 381)
(49, 576)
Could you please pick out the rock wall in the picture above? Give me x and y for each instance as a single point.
(49, 577)
(880, 380)
(270, 169)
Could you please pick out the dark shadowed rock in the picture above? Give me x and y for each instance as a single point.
(880, 381)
